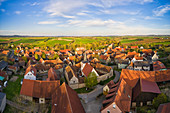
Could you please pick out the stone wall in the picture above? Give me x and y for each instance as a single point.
(27, 97)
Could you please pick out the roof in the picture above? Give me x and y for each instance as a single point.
(158, 66)
(66, 100)
(87, 69)
(31, 69)
(121, 99)
(3, 74)
(132, 76)
(38, 89)
(3, 64)
(145, 86)
(164, 108)
(2, 95)
(134, 47)
(147, 50)
(52, 76)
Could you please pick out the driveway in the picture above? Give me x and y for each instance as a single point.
(94, 106)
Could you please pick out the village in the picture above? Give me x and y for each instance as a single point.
(118, 79)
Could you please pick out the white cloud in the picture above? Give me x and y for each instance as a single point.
(120, 12)
(17, 12)
(160, 11)
(150, 18)
(2, 10)
(110, 3)
(48, 22)
(63, 7)
(34, 4)
(96, 23)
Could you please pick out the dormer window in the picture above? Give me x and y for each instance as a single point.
(108, 111)
(114, 106)
(32, 71)
(129, 96)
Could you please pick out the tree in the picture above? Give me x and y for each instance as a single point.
(36, 57)
(55, 56)
(24, 58)
(160, 99)
(91, 80)
(43, 55)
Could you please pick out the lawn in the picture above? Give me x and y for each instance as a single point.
(13, 88)
(83, 90)
(107, 80)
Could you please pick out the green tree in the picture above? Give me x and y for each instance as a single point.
(91, 80)
(25, 58)
(43, 55)
(36, 57)
(55, 56)
(160, 99)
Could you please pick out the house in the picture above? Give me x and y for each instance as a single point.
(87, 69)
(52, 75)
(4, 74)
(30, 73)
(39, 91)
(164, 108)
(137, 58)
(2, 102)
(109, 86)
(132, 76)
(122, 64)
(3, 65)
(105, 59)
(71, 75)
(118, 100)
(41, 68)
(158, 66)
(80, 49)
(144, 92)
(134, 47)
(13, 68)
(142, 65)
(155, 56)
(95, 60)
(66, 100)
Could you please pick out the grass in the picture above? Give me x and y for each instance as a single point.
(83, 90)
(128, 41)
(9, 109)
(107, 80)
(28, 40)
(13, 88)
(2, 40)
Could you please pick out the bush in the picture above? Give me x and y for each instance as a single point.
(160, 99)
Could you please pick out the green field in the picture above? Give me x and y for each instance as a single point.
(52, 41)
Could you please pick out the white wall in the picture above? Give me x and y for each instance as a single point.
(30, 76)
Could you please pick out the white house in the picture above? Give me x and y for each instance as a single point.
(30, 73)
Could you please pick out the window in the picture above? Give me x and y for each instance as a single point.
(114, 106)
(108, 111)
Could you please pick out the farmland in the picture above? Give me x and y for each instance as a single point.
(52, 41)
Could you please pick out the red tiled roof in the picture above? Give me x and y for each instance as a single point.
(146, 87)
(147, 50)
(66, 100)
(164, 108)
(134, 47)
(38, 89)
(132, 76)
(87, 69)
(122, 100)
(31, 69)
(52, 76)
(158, 65)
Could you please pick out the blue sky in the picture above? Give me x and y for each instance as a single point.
(84, 17)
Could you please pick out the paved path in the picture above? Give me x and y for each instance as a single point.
(15, 105)
(87, 97)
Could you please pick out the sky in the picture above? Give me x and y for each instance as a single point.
(84, 17)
